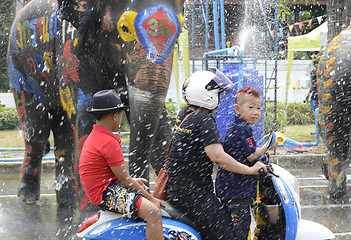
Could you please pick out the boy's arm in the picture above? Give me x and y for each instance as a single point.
(122, 173)
(260, 151)
(218, 156)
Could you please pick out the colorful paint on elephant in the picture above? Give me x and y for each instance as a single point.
(66, 101)
(69, 63)
(62, 52)
(26, 33)
(334, 87)
(158, 28)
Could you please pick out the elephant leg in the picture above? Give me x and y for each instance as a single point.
(64, 137)
(147, 84)
(36, 133)
(161, 142)
(337, 135)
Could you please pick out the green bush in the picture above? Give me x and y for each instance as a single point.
(8, 118)
(299, 114)
(125, 124)
(269, 120)
(296, 114)
(172, 111)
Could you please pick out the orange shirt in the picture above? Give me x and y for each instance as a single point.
(101, 150)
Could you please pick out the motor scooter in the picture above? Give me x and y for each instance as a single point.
(277, 206)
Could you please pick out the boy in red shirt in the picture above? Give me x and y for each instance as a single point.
(103, 173)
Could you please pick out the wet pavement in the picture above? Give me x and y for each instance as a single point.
(317, 206)
(45, 220)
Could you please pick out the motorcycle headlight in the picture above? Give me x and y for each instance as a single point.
(289, 179)
(283, 191)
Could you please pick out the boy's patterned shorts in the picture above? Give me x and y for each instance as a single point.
(117, 198)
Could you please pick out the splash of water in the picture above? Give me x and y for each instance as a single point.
(245, 34)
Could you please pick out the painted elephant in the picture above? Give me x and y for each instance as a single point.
(334, 86)
(62, 52)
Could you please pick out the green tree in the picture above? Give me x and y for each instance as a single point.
(7, 12)
(339, 16)
(284, 7)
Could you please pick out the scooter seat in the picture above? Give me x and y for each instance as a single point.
(172, 212)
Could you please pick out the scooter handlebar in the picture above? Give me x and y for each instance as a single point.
(261, 171)
(270, 171)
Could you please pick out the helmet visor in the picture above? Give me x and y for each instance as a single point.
(223, 81)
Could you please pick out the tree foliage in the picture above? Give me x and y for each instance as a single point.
(7, 12)
(294, 114)
(339, 16)
(8, 118)
(284, 7)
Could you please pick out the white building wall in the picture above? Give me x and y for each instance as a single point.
(7, 100)
(300, 71)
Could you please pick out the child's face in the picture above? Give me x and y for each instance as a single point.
(249, 110)
(117, 117)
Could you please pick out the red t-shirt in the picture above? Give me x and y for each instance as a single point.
(101, 150)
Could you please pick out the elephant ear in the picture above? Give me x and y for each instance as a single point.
(77, 12)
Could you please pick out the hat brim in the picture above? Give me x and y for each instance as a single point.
(101, 111)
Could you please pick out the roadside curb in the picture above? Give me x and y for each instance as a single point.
(16, 167)
(295, 161)
(299, 161)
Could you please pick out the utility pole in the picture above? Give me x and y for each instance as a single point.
(276, 61)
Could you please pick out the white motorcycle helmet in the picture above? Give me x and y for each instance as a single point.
(202, 88)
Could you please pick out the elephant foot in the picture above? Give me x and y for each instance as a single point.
(28, 196)
(337, 190)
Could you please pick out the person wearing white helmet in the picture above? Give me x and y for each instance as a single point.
(195, 148)
(203, 88)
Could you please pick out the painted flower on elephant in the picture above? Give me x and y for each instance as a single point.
(84, 100)
(66, 101)
(334, 161)
(69, 63)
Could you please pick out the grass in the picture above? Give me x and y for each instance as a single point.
(305, 133)
(300, 133)
(14, 139)
(11, 139)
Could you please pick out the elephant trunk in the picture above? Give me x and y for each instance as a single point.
(149, 67)
(150, 131)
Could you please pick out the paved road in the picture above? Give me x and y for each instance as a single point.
(46, 221)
